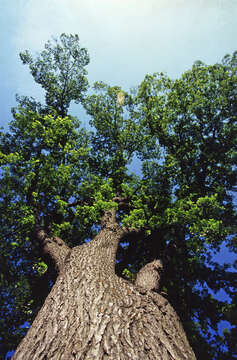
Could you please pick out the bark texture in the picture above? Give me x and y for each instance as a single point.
(148, 277)
(91, 313)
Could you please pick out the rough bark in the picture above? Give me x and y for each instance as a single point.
(91, 313)
(148, 277)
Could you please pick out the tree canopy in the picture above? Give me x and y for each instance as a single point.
(182, 137)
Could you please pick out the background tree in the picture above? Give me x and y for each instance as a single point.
(60, 182)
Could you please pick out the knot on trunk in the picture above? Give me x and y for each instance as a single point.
(148, 277)
(41, 235)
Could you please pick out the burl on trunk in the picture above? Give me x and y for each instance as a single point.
(91, 313)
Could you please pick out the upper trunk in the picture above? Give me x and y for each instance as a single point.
(91, 313)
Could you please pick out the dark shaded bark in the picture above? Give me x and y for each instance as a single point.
(91, 313)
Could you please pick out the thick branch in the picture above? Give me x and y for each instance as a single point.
(108, 218)
(123, 203)
(54, 248)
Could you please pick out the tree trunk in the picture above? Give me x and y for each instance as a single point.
(91, 313)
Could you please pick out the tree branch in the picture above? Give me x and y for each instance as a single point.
(108, 218)
(52, 247)
(123, 203)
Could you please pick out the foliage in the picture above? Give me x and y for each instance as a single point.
(194, 118)
(180, 206)
(60, 70)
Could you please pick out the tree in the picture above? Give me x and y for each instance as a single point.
(111, 253)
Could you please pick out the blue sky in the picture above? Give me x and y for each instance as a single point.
(126, 39)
